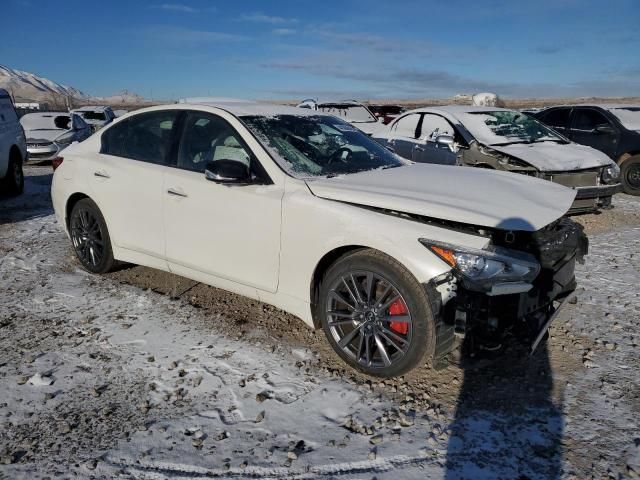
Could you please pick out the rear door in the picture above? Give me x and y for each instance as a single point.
(126, 179)
(404, 135)
(427, 149)
(591, 127)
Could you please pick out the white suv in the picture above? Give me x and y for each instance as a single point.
(13, 148)
(302, 210)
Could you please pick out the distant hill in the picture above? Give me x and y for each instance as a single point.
(25, 86)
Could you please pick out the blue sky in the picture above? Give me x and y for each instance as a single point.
(341, 48)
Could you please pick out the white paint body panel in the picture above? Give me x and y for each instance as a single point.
(266, 241)
(473, 196)
(554, 157)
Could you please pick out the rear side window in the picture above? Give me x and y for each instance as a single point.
(145, 137)
(587, 119)
(558, 118)
(407, 126)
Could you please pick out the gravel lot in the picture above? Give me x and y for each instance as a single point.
(143, 374)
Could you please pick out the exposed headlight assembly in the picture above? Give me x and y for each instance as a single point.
(497, 271)
(611, 174)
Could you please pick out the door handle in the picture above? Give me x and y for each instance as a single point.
(418, 148)
(177, 193)
(101, 174)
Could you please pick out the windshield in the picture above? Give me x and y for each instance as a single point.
(38, 121)
(628, 116)
(319, 145)
(351, 113)
(88, 115)
(503, 127)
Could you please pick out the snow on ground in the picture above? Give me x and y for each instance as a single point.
(110, 380)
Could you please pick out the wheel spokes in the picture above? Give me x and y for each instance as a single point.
(365, 321)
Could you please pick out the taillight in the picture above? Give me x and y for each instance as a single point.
(56, 162)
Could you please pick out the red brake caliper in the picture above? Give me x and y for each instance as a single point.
(398, 308)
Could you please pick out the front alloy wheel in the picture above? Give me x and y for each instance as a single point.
(375, 314)
(369, 319)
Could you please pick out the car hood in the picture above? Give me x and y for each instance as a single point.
(38, 136)
(556, 157)
(368, 127)
(467, 195)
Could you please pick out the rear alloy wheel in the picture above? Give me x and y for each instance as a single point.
(375, 314)
(630, 175)
(14, 179)
(90, 237)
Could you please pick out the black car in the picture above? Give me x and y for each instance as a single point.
(612, 129)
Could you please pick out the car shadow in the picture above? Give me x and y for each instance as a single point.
(507, 423)
(32, 203)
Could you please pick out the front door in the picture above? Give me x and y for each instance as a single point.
(228, 231)
(590, 127)
(428, 150)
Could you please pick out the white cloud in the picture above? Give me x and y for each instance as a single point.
(283, 31)
(262, 18)
(177, 7)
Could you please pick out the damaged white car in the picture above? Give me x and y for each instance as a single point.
(303, 211)
(501, 139)
(351, 111)
(48, 133)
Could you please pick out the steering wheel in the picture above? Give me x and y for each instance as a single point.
(337, 155)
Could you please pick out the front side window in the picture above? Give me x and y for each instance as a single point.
(434, 125)
(145, 137)
(205, 138)
(91, 115)
(558, 118)
(587, 119)
(503, 127)
(407, 126)
(319, 145)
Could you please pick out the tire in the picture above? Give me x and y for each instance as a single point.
(13, 181)
(394, 320)
(90, 237)
(630, 175)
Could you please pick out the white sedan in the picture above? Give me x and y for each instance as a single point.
(302, 210)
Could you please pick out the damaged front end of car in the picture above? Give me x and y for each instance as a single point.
(513, 287)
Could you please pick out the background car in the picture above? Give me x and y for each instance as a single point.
(48, 133)
(302, 210)
(501, 139)
(612, 129)
(386, 113)
(349, 110)
(13, 148)
(96, 116)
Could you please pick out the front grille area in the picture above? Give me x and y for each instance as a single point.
(39, 145)
(589, 178)
(551, 245)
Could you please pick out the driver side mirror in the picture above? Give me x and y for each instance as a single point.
(230, 172)
(445, 140)
(604, 129)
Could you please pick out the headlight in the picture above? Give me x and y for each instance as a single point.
(481, 269)
(64, 139)
(611, 174)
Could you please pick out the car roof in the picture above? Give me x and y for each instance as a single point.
(92, 108)
(248, 108)
(453, 109)
(47, 114)
(606, 106)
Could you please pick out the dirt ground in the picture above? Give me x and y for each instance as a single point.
(120, 349)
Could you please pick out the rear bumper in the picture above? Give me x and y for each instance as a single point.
(48, 152)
